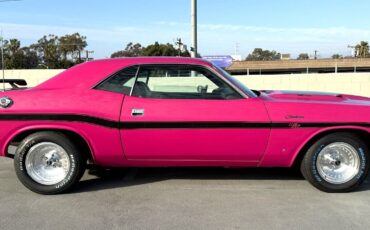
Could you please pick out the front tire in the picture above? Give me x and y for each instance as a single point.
(48, 163)
(338, 162)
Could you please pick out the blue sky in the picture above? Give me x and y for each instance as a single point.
(288, 26)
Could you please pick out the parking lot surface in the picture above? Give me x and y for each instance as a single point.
(184, 198)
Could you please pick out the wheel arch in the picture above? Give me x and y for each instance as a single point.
(77, 138)
(362, 133)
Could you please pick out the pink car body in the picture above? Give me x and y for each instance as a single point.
(269, 130)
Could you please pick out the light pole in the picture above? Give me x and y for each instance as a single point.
(194, 48)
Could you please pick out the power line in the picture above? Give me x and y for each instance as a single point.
(237, 47)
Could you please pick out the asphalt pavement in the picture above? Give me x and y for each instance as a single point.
(184, 198)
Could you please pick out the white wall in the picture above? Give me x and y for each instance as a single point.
(33, 77)
(351, 83)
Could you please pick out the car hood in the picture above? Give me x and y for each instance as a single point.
(298, 106)
(301, 96)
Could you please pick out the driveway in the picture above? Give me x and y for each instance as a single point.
(184, 198)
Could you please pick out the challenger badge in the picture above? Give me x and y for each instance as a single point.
(5, 102)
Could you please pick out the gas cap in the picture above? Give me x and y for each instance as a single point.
(6, 102)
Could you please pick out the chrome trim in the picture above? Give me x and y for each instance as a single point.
(137, 112)
(213, 70)
(240, 92)
(112, 75)
(136, 75)
(338, 163)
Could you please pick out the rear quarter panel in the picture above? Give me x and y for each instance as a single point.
(104, 141)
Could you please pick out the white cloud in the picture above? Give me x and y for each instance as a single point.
(28, 31)
(103, 40)
(213, 38)
(221, 38)
(288, 34)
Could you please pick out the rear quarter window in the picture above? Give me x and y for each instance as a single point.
(120, 82)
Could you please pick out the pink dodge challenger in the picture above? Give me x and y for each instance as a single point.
(161, 112)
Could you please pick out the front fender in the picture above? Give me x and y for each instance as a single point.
(323, 132)
(287, 144)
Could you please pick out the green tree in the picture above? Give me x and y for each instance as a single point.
(13, 55)
(73, 45)
(303, 56)
(19, 58)
(48, 51)
(31, 59)
(13, 46)
(337, 56)
(168, 49)
(16, 60)
(259, 54)
(131, 50)
(362, 49)
(156, 49)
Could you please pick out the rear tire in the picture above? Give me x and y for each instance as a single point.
(338, 162)
(48, 163)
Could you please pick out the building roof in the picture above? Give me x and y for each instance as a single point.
(319, 65)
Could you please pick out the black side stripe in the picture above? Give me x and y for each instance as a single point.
(215, 125)
(191, 125)
(60, 117)
(317, 124)
(170, 125)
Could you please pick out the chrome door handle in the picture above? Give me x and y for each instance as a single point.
(137, 112)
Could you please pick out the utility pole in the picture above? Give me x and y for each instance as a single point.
(316, 52)
(180, 45)
(194, 48)
(237, 46)
(87, 54)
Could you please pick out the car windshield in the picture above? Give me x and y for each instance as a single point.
(236, 82)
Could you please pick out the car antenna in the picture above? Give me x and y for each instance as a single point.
(2, 58)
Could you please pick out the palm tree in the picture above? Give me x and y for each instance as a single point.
(362, 49)
(14, 45)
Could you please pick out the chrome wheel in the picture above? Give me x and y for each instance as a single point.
(338, 163)
(47, 163)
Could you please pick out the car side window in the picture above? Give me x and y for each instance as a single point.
(181, 82)
(120, 82)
